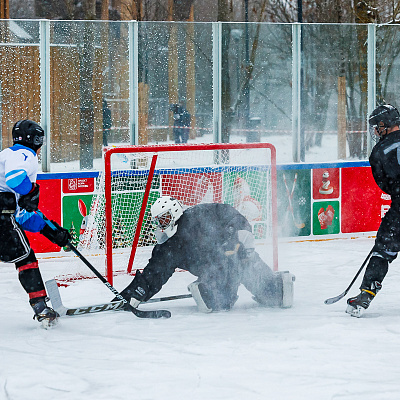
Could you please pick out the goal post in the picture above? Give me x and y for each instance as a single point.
(242, 175)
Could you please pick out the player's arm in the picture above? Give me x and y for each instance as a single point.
(159, 269)
(381, 179)
(16, 171)
(17, 168)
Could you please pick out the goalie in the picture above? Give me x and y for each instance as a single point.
(213, 242)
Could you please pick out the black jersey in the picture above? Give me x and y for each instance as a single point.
(385, 165)
(204, 233)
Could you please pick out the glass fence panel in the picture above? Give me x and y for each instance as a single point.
(388, 65)
(334, 92)
(19, 75)
(175, 83)
(89, 92)
(259, 82)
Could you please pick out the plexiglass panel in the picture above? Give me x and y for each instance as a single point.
(175, 67)
(334, 92)
(89, 91)
(19, 75)
(388, 65)
(260, 75)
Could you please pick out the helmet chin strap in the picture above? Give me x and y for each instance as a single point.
(381, 131)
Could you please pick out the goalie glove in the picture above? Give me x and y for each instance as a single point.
(137, 291)
(59, 236)
(30, 201)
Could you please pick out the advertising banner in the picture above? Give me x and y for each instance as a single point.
(294, 202)
(363, 203)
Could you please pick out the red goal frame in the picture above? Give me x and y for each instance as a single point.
(108, 152)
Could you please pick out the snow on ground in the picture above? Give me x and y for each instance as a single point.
(311, 351)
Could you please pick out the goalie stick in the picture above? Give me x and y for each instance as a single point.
(55, 297)
(135, 311)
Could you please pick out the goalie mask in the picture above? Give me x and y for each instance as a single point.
(164, 213)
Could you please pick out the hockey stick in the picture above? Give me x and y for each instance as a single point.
(55, 297)
(337, 298)
(300, 225)
(138, 313)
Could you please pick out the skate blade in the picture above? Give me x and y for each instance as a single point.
(357, 311)
(47, 324)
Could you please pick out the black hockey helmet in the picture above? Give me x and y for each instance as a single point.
(384, 116)
(28, 133)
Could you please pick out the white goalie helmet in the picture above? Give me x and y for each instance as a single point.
(164, 213)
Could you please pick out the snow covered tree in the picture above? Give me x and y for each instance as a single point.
(74, 237)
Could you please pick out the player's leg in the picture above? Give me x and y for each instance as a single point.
(376, 271)
(217, 286)
(15, 248)
(387, 245)
(31, 280)
(272, 289)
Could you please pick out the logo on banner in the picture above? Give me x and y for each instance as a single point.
(72, 184)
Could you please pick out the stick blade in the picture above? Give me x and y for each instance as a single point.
(335, 299)
(55, 297)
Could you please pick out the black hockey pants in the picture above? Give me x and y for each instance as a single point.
(15, 248)
(14, 245)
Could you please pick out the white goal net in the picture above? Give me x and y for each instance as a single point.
(119, 229)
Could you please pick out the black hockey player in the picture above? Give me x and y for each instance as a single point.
(384, 122)
(19, 199)
(213, 242)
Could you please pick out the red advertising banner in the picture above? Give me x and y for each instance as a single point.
(78, 185)
(363, 203)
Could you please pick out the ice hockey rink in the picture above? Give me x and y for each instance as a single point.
(311, 351)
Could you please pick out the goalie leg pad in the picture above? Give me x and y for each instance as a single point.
(200, 296)
(278, 292)
(287, 289)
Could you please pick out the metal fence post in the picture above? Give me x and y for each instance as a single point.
(217, 45)
(133, 83)
(371, 78)
(44, 53)
(296, 90)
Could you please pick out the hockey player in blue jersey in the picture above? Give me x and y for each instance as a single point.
(19, 199)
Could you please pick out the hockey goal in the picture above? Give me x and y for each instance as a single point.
(119, 225)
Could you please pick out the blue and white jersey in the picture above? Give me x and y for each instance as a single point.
(18, 170)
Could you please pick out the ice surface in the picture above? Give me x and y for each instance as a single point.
(311, 351)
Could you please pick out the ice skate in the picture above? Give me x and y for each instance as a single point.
(45, 315)
(358, 304)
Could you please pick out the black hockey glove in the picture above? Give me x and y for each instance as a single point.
(60, 236)
(137, 289)
(30, 201)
